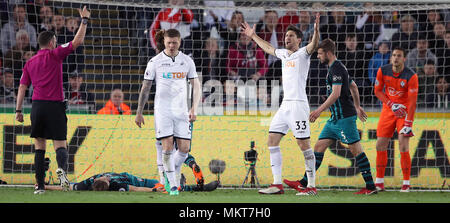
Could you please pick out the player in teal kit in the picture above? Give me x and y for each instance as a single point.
(127, 182)
(341, 89)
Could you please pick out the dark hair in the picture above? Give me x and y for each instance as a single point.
(237, 13)
(400, 49)
(351, 35)
(45, 37)
(430, 62)
(159, 37)
(100, 185)
(268, 11)
(422, 36)
(328, 45)
(296, 30)
(19, 6)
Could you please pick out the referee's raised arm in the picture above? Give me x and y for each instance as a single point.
(79, 37)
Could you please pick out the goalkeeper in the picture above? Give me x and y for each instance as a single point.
(127, 182)
(399, 104)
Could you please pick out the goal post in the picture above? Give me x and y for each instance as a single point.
(235, 109)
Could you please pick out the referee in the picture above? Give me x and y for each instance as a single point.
(48, 110)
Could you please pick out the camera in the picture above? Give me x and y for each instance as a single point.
(251, 155)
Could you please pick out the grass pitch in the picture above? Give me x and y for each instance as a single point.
(25, 195)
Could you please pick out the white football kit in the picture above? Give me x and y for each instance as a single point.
(294, 110)
(171, 109)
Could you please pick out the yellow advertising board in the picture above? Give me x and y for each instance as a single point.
(102, 143)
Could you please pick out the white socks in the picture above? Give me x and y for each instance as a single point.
(310, 166)
(169, 167)
(179, 158)
(276, 162)
(159, 161)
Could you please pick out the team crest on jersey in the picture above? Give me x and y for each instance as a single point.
(402, 84)
(377, 83)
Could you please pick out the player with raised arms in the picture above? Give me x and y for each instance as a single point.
(341, 89)
(170, 69)
(399, 99)
(294, 110)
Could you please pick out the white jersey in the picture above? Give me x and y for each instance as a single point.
(295, 69)
(171, 77)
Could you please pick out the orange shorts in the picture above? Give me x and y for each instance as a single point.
(388, 122)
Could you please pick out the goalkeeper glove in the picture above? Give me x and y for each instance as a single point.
(407, 129)
(398, 109)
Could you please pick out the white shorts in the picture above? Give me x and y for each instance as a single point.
(292, 115)
(169, 124)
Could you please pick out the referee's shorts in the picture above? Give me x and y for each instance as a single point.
(48, 120)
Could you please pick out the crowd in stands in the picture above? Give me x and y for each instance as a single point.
(212, 37)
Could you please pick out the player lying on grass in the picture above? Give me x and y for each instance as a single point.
(126, 182)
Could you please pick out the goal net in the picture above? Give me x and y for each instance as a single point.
(241, 84)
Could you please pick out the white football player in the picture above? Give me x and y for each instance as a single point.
(170, 69)
(294, 110)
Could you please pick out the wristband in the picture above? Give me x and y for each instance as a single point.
(85, 20)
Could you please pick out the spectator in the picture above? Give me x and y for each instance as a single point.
(378, 60)
(290, 18)
(217, 15)
(354, 60)
(71, 27)
(174, 17)
(7, 91)
(417, 57)
(75, 60)
(323, 14)
(443, 55)
(368, 26)
(427, 80)
(212, 66)
(433, 18)
(27, 55)
(437, 42)
(230, 34)
(33, 9)
(406, 38)
(13, 58)
(306, 27)
(336, 27)
(8, 32)
(440, 98)
(45, 19)
(246, 60)
(77, 93)
(115, 105)
(269, 31)
(58, 27)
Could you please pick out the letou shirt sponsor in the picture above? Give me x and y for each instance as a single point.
(171, 75)
(44, 72)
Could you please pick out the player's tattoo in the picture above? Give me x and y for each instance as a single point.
(143, 95)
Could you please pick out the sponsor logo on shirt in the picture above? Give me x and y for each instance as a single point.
(174, 75)
(393, 92)
(290, 63)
